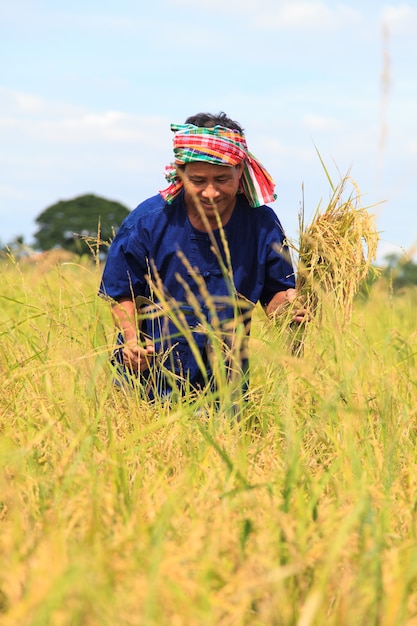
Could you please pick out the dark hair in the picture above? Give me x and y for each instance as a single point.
(208, 120)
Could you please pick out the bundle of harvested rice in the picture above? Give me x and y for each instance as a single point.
(336, 251)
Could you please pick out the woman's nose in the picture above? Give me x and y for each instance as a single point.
(210, 191)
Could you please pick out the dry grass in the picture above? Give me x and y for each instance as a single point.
(336, 251)
(115, 511)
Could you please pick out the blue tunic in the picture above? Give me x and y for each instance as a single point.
(155, 236)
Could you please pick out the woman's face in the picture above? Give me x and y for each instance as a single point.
(211, 188)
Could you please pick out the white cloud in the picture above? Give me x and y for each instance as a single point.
(306, 16)
(9, 191)
(106, 126)
(20, 104)
(283, 14)
(322, 123)
(400, 19)
(53, 150)
(229, 6)
(27, 115)
(28, 103)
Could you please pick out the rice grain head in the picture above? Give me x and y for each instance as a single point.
(336, 251)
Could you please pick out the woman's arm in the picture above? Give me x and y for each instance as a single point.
(135, 355)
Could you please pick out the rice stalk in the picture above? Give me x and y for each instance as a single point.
(335, 254)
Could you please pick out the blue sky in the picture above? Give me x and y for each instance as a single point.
(88, 90)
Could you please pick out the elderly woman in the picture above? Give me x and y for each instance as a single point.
(206, 248)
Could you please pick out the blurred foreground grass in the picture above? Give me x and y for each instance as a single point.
(114, 511)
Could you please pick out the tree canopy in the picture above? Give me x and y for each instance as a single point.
(70, 224)
(401, 270)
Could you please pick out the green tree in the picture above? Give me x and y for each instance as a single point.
(16, 247)
(76, 224)
(401, 270)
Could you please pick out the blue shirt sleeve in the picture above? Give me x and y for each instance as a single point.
(126, 264)
(279, 271)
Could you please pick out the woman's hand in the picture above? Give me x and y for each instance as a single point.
(283, 300)
(136, 357)
(300, 313)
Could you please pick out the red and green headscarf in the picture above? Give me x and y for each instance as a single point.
(219, 146)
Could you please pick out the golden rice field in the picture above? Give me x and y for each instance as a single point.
(117, 512)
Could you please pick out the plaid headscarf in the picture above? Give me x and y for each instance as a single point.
(219, 146)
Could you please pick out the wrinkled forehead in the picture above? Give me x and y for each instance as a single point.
(207, 168)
